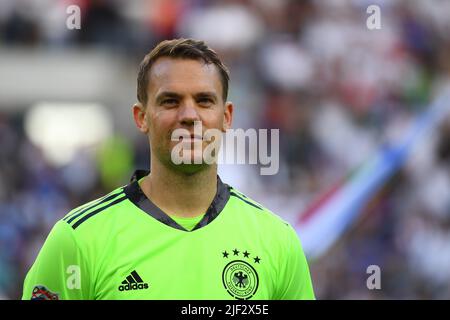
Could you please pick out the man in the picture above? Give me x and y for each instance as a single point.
(177, 231)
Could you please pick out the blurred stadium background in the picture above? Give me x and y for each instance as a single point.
(336, 90)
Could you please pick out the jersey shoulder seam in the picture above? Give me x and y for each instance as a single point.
(80, 214)
(253, 203)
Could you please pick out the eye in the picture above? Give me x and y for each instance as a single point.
(170, 102)
(205, 101)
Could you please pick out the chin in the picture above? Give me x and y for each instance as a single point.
(190, 169)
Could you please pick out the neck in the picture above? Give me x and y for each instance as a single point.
(180, 194)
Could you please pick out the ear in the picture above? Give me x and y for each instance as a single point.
(228, 116)
(140, 117)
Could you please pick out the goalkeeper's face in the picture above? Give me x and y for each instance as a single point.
(183, 94)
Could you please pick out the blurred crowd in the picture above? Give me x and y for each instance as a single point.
(334, 88)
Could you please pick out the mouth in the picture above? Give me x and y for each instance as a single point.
(196, 137)
(192, 137)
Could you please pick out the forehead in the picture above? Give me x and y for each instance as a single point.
(183, 76)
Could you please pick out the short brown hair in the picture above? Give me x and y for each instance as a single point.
(182, 49)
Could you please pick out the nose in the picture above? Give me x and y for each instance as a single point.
(187, 113)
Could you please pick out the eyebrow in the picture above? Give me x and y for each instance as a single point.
(171, 94)
(206, 94)
(167, 94)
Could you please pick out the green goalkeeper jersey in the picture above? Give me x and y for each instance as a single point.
(123, 246)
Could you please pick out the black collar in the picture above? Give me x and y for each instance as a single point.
(135, 194)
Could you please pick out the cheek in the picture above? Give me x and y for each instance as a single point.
(213, 119)
(160, 123)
